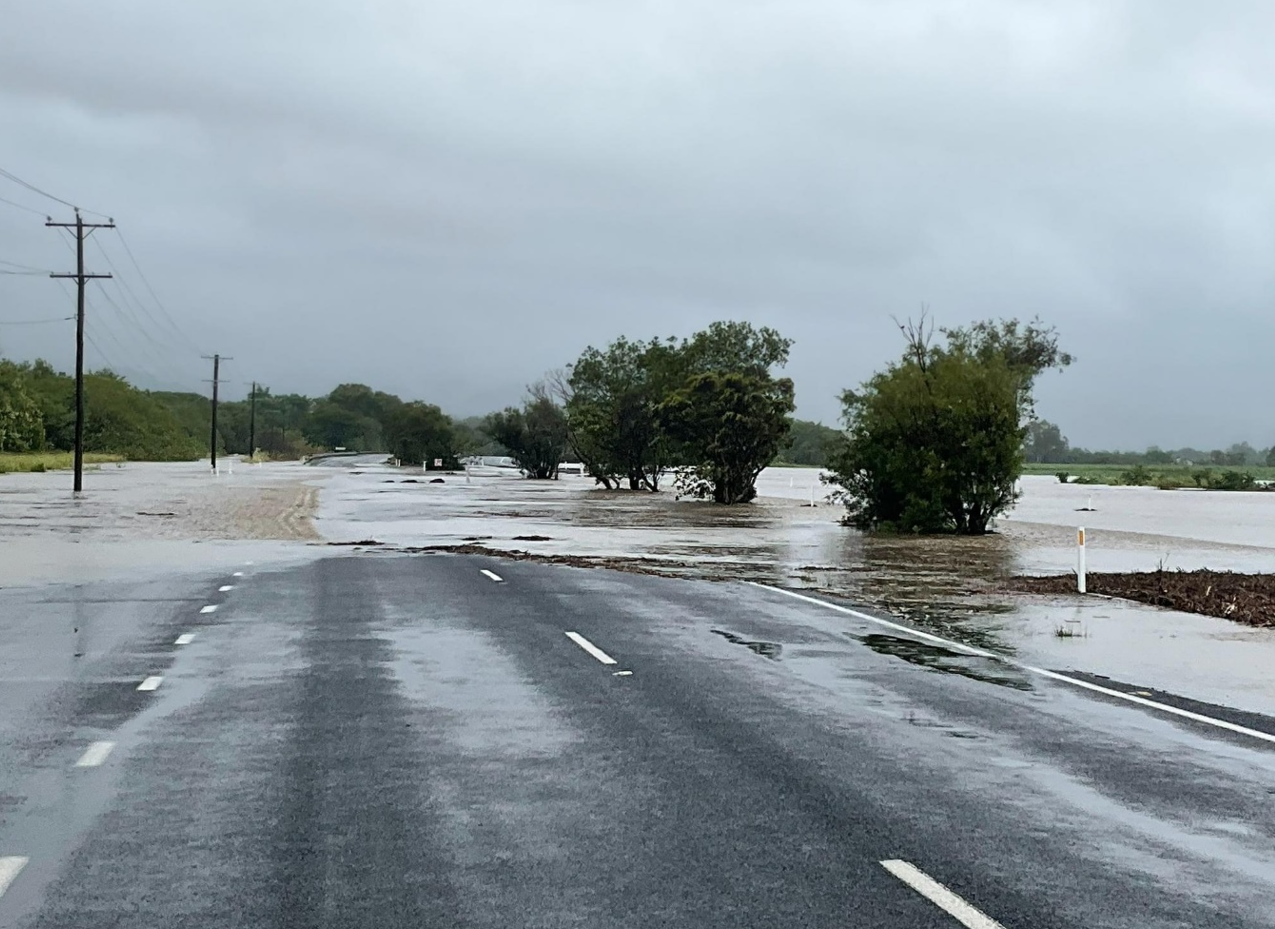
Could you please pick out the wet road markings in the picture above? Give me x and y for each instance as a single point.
(1051, 675)
(225, 587)
(185, 638)
(9, 868)
(590, 648)
(208, 609)
(151, 683)
(95, 754)
(940, 896)
(492, 575)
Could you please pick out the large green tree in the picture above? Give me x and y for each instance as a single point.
(734, 424)
(613, 411)
(935, 442)
(420, 433)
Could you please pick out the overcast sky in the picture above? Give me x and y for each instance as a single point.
(445, 199)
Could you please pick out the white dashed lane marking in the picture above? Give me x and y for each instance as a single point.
(940, 896)
(151, 683)
(9, 868)
(237, 574)
(95, 754)
(590, 648)
(225, 587)
(210, 608)
(185, 638)
(492, 575)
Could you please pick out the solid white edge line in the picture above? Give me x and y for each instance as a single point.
(590, 648)
(491, 574)
(95, 754)
(10, 866)
(1052, 675)
(211, 608)
(940, 896)
(151, 683)
(185, 638)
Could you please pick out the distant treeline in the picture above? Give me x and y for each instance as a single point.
(37, 413)
(1047, 445)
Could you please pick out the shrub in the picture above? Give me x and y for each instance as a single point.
(1063, 477)
(1137, 476)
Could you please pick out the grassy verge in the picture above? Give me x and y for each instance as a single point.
(49, 461)
(1164, 476)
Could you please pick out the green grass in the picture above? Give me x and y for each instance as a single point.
(1169, 474)
(49, 461)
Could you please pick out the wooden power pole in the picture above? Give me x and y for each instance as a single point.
(82, 229)
(216, 380)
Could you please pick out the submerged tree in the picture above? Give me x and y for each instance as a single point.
(734, 423)
(935, 442)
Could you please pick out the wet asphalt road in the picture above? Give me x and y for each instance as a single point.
(400, 741)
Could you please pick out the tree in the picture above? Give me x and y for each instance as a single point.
(935, 442)
(612, 403)
(535, 435)
(734, 423)
(1270, 457)
(1045, 442)
(420, 433)
(735, 347)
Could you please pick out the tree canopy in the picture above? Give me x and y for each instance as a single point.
(935, 441)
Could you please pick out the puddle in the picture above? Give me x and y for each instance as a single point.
(771, 650)
(938, 658)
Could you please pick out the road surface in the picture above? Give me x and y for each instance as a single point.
(432, 741)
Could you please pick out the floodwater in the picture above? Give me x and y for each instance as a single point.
(144, 518)
(952, 586)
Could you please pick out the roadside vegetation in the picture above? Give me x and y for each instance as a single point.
(28, 462)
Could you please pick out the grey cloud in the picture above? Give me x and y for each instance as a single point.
(446, 199)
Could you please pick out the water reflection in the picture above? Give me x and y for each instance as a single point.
(770, 650)
(938, 658)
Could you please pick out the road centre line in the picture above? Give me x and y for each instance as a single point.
(590, 648)
(225, 587)
(210, 608)
(151, 683)
(185, 638)
(95, 754)
(940, 896)
(493, 575)
(9, 868)
(1032, 669)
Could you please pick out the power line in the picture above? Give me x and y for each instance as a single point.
(14, 264)
(35, 322)
(159, 303)
(21, 206)
(45, 193)
(127, 292)
(23, 273)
